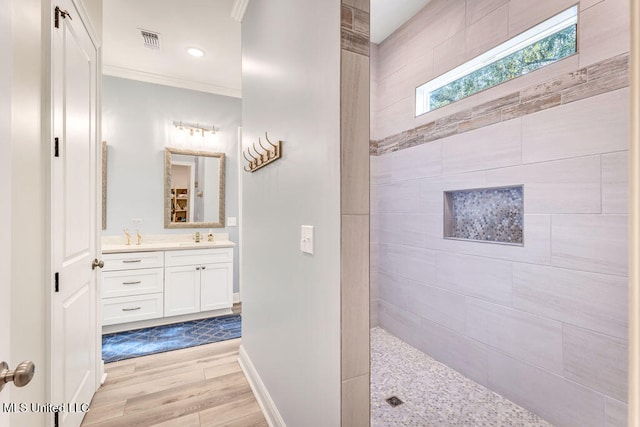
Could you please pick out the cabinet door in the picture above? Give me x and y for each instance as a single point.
(181, 290)
(216, 286)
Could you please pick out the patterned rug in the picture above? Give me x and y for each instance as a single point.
(158, 339)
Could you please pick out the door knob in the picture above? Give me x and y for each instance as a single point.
(20, 377)
(97, 264)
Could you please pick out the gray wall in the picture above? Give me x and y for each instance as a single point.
(544, 324)
(291, 300)
(137, 119)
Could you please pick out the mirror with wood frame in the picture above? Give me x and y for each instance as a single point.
(193, 189)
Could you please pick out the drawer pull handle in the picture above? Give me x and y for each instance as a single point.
(130, 261)
(132, 283)
(131, 309)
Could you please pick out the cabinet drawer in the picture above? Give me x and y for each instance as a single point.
(132, 282)
(198, 256)
(131, 309)
(132, 260)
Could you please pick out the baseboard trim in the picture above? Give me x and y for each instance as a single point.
(269, 409)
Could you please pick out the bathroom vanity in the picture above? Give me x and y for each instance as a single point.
(165, 282)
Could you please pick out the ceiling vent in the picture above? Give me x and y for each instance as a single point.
(151, 39)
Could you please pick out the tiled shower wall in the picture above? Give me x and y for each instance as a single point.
(544, 324)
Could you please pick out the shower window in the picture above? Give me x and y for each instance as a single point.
(544, 44)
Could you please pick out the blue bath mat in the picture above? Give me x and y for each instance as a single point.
(158, 339)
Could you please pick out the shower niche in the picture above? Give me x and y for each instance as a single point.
(490, 215)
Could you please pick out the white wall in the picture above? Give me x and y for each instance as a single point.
(137, 119)
(27, 206)
(291, 300)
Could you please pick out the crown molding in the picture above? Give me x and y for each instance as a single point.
(238, 9)
(144, 76)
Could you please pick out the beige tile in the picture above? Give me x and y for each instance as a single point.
(401, 323)
(432, 189)
(355, 401)
(412, 263)
(416, 162)
(585, 4)
(522, 16)
(449, 54)
(564, 186)
(429, 302)
(615, 413)
(615, 182)
(395, 87)
(392, 54)
(477, 9)
(395, 118)
(604, 31)
(420, 70)
(596, 361)
(355, 295)
(536, 249)
(354, 134)
(488, 32)
(358, 4)
(591, 126)
(464, 354)
(596, 243)
(490, 147)
(401, 196)
(594, 301)
(485, 278)
(526, 337)
(404, 229)
(554, 398)
(434, 24)
(373, 314)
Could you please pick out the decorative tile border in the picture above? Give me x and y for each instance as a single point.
(605, 76)
(354, 30)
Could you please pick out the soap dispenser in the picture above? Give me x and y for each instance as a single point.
(210, 236)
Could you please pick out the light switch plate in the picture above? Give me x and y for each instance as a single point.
(231, 221)
(306, 239)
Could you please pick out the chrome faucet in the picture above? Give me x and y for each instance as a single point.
(128, 236)
(139, 237)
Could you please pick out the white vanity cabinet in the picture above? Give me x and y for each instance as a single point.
(198, 280)
(147, 288)
(132, 287)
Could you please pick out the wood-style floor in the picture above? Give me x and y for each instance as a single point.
(198, 386)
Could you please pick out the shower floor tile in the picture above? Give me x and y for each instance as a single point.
(433, 394)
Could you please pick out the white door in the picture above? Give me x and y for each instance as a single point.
(5, 190)
(74, 219)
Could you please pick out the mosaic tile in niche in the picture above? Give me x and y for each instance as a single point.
(490, 214)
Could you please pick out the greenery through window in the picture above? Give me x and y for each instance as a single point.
(544, 44)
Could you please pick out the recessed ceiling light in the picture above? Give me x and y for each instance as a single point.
(195, 52)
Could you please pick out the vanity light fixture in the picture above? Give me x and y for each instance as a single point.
(193, 135)
(194, 51)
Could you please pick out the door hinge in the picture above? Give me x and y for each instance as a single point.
(60, 12)
(56, 147)
(56, 282)
(56, 419)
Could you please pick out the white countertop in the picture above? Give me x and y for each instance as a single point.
(116, 244)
